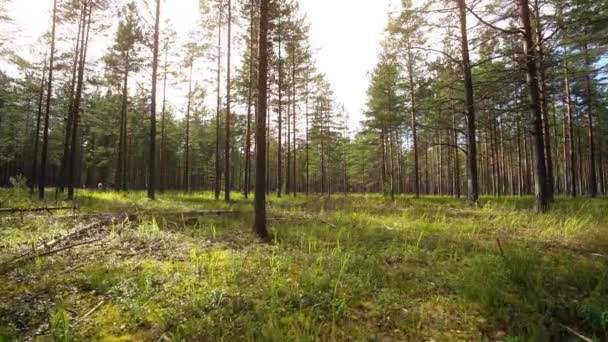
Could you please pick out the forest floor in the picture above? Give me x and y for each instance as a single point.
(349, 267)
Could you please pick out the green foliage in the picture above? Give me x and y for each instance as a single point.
(60, 325)
(351, 267)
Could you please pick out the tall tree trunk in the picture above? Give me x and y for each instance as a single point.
(293, 113)
(383, 174)
(260, 194)
(456, 158)
(70, 115)
(307, 137)
(218, 116)
(249, 103)
(472, 181)
(121, 168)
(410, 63)
(540, 173)
(520, 183)
(163, 128)
(227, 146)
(542, 87)
(280, 123)
(580, 179)
(37, 133)
(288, 142)
(152, 168)
(49, 95)
(322, 138)
(570, 124)
(589, 100)
(187, 173)
(77, 102)
(268, 139)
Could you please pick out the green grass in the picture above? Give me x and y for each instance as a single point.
(349, 267)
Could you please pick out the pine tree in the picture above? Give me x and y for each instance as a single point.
(260, 185)
(152, 156)
(123, 59)
(47, 113)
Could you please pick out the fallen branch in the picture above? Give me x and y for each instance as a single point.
(30, 256)
(70, 235)
(303, 218)
(134, 252)
(89, 313)
(25, 210)
(576, 333)
(204, 212)
(500, 249)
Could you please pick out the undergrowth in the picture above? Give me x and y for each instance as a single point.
(348, 267)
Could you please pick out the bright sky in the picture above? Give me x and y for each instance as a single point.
(346, 35)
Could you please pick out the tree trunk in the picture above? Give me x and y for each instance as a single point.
(152, 155)
(70, 115)
(77, 102)
(543, 101)
(540, 173)
(49, 95)
(307, 138)
(227, 147)
(163, 128)
(187, 172)
(121, 168)
(218, 116)
(294, 180)
(472, 181)
(288, 142)
(414, 123)
(570, 124)
(37, 133)
(249, 103)
(589, 100)
(280, 123)
(260, 194)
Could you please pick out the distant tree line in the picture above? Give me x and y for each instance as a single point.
(468, 98)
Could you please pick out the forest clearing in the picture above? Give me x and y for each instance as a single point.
(345, 267)
(304, 170)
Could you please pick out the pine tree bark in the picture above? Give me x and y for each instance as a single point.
(34, 172)
(307, 135)
(218, 116)
(541, 190)
(187, 171)
(543, 100)
(68, 124)
(288, 142)
(590, 130)
(163, 128)
(77, 102)
(570, 124)
(121, 168)
(469, 104)
(49, 95)
(152, 156)
(280, 114)
(249, 103)
(260, 193)
(410, 63)
(227, 172)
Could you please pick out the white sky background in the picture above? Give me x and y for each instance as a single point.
(345, 34)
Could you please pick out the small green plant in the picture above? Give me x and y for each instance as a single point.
(339, 302)
(19, 184)
(60, 325)
(148, 228)
(198, 260)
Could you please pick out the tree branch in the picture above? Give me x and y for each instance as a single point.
(506, 31)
